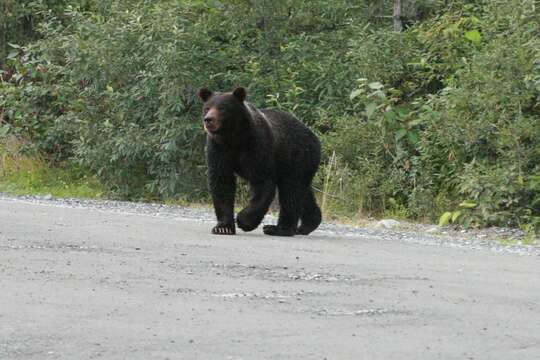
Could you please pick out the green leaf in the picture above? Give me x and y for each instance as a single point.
(4, 130)
(455, 215)
(445, 218)
(475, 20)
(356, 93)
(403, 111)
(473, 36)
(370, 109)
(390, 116)
(380, 94)
(415, 122)
(468, 204)
(401, 133)
(413, 137)
(375, 85)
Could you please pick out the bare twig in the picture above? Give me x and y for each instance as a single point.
(398, 25)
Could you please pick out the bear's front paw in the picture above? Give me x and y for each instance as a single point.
(224, 229)
(247, 220)
(275, 230)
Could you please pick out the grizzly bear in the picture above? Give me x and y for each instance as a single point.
(267, 147)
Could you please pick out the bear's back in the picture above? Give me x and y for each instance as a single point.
(286, 127)
(296, 146)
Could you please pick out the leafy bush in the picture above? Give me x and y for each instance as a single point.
(455, 119)
(412, 123)
(481, 140)
(114, 89)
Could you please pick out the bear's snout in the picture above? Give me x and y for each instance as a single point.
(210, 120)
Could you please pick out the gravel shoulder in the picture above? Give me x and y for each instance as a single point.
(502, 240)
(88, 279)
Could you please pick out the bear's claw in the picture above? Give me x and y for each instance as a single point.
(224, 230)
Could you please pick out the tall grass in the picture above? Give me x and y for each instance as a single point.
(27, 173)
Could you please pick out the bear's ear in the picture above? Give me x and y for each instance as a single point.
(240, 93)
(204, 94)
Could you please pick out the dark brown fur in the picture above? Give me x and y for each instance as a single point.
(269, 148)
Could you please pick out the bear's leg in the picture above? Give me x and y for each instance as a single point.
(311, 214)
(263, 193)
(225, 215)
(290, 205)
(223, 187)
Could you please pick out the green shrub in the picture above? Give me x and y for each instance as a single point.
(477, 139)
(481, 140)
(114, 89)
(412, 123)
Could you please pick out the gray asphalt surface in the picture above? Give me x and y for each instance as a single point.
(87, 283)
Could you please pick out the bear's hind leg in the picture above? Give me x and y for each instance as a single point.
(290, 205)
(311, 214)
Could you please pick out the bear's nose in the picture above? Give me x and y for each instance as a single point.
(208, 119)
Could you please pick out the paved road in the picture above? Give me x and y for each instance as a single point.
(89, 284)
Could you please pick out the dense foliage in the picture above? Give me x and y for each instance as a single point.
(443, 117)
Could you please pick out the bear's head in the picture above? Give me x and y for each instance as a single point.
(223, 113)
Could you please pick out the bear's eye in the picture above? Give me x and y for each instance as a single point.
(205, 110)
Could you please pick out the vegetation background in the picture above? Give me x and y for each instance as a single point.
(441, 118)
